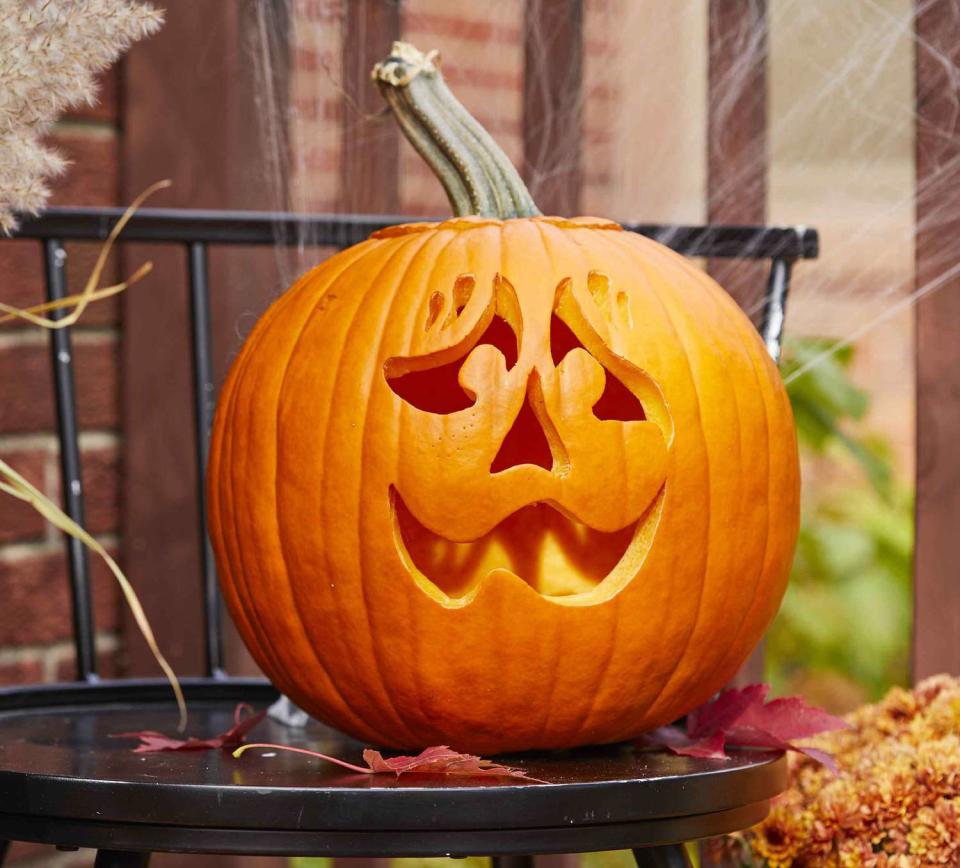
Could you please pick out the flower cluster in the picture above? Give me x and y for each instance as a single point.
(49, 52)
(896, 799)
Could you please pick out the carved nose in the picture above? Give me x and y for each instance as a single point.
(527, 441)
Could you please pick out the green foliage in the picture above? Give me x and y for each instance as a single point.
(848, 608)
(441, 862)
(823, 399)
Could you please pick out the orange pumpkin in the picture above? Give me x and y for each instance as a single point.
(501, 482)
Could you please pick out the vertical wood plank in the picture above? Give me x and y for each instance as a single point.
(936, 639)
(737, 134)
(552, 103)
(370, 158)
(737, 157)
(190, 115)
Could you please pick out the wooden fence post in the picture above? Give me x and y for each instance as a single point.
(936, 639)
(737, 155)
(189, 114)
(369, 165)
(737, 134)
(552, 103)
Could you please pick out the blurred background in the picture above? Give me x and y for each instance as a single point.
(666, 111)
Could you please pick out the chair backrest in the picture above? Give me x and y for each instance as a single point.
(198, 230)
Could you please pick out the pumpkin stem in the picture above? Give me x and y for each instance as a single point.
(475, 172)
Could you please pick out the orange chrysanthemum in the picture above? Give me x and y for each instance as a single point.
(896, 801)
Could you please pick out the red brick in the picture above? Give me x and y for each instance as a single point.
(30, 855)
(319, 10)
(106, 104)
(21, 264)
(429, 25)
(18, 520)
(101, 488)
(495, 79)
(311, 60)
(101, 485)
(29, 671)
(36, 600)
(107, 666)
(92, 178)
(26, 390)
(37, 854)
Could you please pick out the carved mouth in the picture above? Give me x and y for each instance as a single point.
(559, 557)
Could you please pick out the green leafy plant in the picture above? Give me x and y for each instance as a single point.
(847, 611)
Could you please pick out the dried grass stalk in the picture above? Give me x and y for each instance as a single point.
(16, 486)
(50, 51)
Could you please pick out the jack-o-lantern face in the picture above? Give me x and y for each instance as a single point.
(504, 395)
(503, 485)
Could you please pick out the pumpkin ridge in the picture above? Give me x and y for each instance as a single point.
(603, 669)
(748, 337)
(732, 318)
(676, 259)
(732, 315)
(732, 391)
(586, 707)
(239, 371)
(584, 725)
(618, 244)
(221, 442)
(779, 396)
(455, 238)
(401, 409)
(556, 658)
(407, 250)
(343, 276)
(292, 687)
(295, 591)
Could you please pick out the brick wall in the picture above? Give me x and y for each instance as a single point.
(481, 48)
(35, 614)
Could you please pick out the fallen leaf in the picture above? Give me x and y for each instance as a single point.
(677, 741)
(741, 717)
(788, 718)
(154, 742)
(720, 713)
(437, 760)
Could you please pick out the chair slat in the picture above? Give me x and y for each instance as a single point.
(341, 230)
(203, 419)
(775, 306)
(55, 261)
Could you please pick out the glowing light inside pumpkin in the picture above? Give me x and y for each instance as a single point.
(555, 554)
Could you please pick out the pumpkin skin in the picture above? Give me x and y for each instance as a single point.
(329, 489)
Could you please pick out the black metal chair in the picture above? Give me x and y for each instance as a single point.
(63, 781)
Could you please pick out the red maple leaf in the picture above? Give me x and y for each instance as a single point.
(153, 742)
(437, 760)
(741, 716)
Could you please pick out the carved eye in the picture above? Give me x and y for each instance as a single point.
(437, 390)
(617, 402)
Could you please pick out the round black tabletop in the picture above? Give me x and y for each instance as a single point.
(64, 780)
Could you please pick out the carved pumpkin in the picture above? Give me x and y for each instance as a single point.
(501, 482)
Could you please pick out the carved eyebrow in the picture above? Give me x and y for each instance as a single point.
(430, 381)
(452, 303)
(445, 310)
(613, 304)
(610, 310)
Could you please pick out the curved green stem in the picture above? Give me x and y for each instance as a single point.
(474, 171)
